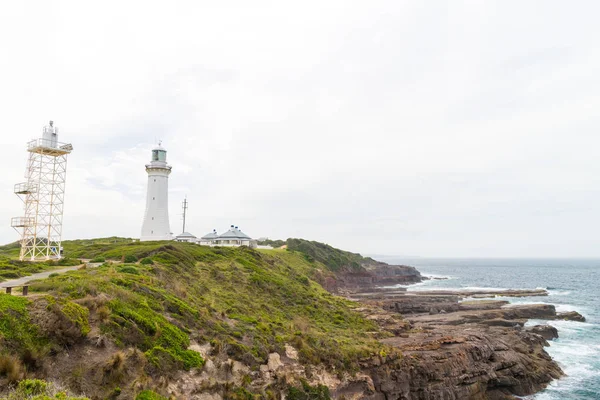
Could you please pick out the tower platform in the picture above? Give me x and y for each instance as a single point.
(49, 148)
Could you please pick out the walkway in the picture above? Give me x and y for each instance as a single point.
(40, 275)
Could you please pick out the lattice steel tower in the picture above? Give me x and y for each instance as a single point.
(43, 195)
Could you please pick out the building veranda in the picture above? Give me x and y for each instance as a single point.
(234, 237)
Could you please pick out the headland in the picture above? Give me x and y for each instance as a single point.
(176, 320)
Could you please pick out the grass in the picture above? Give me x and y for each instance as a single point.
(17, 332)
(149, 395)
(36, 389)
(307, 392)
(334, 259)
(13, 269)
(244, 302)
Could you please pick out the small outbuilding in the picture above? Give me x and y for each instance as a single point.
(186, 237)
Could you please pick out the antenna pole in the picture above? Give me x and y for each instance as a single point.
(185, 207)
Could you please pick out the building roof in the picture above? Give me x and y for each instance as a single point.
(234, 233)
(211, 235)
(185, 235)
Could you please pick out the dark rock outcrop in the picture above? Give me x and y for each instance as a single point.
(493, 363)
(476, 349)
(548, 332)
(570, 316)
(373, 274)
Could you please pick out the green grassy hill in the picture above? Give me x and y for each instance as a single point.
(334, 259)
(161, 297)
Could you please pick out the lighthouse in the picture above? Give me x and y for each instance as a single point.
(43, 195)
(156, 218)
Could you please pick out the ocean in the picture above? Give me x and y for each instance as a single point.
(573, 284)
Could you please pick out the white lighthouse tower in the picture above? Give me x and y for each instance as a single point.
(156, 219)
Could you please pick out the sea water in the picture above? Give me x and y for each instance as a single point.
(573, 285)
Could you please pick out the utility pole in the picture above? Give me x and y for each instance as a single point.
(185, 207)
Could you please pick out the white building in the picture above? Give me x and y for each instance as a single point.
(186, 237)
(156, 218)
(234, 237)
(208, 239)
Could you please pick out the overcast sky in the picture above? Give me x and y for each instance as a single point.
(430, 128)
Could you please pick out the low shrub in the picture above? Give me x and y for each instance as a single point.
(130, 259)
(103, 313)
(174, 359)
(16, 328)
(147, 261)
(36, 389)
(72, 323)
(68, 262)
(129, 269)
(32, 387)
(149, 395)
(307, 392)
(78, 315)
(115, 363)
(9, 275)
(11, 368)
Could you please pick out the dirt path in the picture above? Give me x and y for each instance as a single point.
(41, 275)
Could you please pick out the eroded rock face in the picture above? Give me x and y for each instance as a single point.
(546, 331)
(477, 363)
(475, 349)
(571, 316)
(416, 304)
(479, 352)
(377, 274)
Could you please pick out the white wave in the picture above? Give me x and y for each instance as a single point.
(481, 289)
(456, 288)
(438, 277)
(559, 292)
(495, 289)
(577, 363)
(429, 286)
(567, 351)
(570, 307)
(404, 285)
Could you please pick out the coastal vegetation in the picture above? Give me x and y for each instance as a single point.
(334, 259)
(12, 268)
(151, 304)
(37, 389)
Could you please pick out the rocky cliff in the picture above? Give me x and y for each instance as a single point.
(351, 270)
(456, 349)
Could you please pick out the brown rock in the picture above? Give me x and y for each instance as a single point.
(546, 331)
(570, 316)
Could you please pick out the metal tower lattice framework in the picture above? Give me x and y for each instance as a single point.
(43, 195)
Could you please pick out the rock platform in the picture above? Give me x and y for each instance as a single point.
(451, 344)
